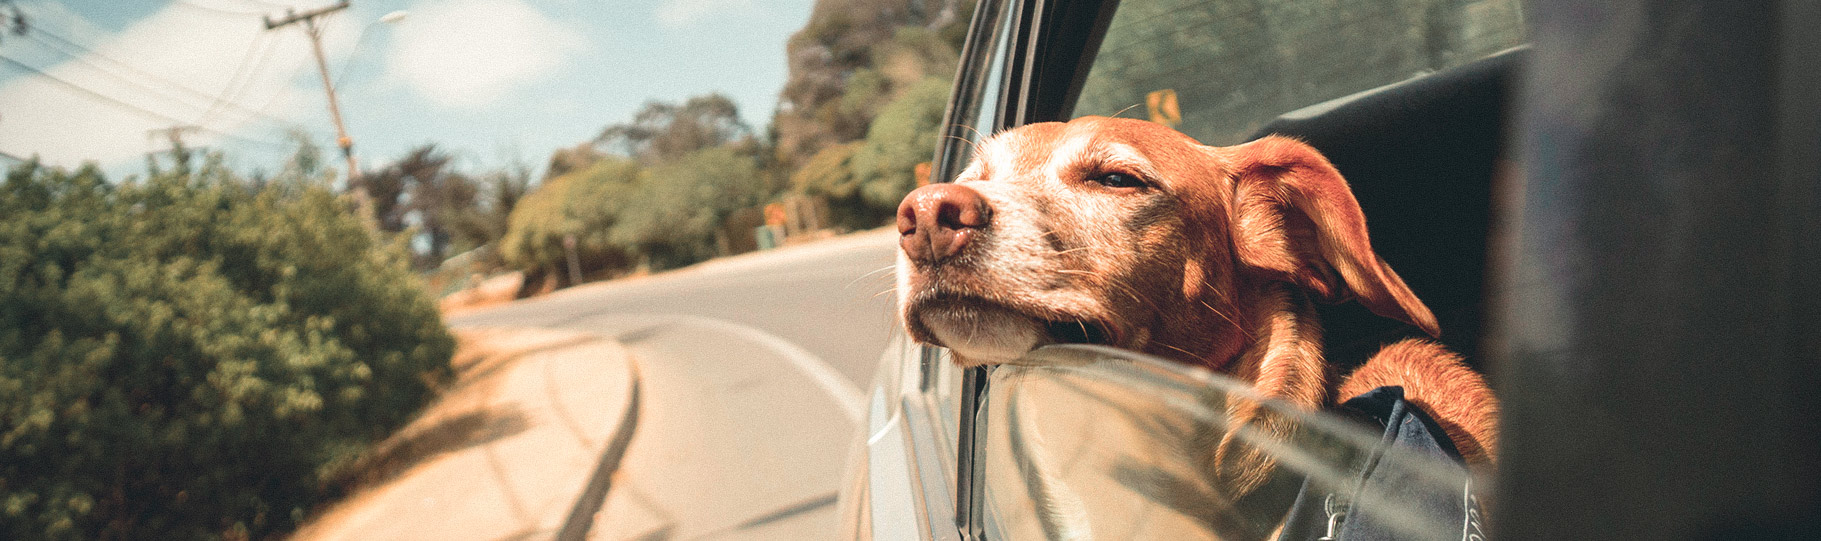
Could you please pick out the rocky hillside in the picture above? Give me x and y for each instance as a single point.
(855, 56)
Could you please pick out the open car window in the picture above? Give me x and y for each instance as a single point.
(1087, 442)
(1220, 70)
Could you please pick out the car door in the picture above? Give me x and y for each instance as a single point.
(1105, 440)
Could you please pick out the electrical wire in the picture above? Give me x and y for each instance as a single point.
(243, 77)
(83, 53)
(353, 53)
(230, 98)
(85, 91)
(268, 4)
(219, 11)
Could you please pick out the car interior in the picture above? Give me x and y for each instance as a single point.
(1414, 102)
(1423, 157)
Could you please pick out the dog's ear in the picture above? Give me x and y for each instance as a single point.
(1294, 219)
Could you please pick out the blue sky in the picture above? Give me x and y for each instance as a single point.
(490, 80)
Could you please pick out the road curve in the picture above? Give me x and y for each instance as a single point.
(751, 370)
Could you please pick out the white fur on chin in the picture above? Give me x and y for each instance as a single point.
(984, 335)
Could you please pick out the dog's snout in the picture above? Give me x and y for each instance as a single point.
(936, 221)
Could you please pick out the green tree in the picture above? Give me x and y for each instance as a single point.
(903, 136)
(583, 203)
(830, 175)
(683, 203)
(423, 190)
(189, 358)
(853, 57)
(662, 132)
(657, 189)
(485, 222)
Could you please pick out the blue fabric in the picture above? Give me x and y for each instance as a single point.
(1392, 471)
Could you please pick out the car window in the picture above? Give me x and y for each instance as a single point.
(1220, 70)
(1091, 442)
(975, 118)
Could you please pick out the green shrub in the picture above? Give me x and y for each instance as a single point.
(682, 203)
(666, 212)
(583, 202)
(189, 357)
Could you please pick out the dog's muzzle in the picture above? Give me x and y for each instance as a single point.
(937, 221)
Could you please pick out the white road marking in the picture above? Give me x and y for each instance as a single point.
(845, 394)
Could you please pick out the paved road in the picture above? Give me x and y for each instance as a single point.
(831, 298)
(496, 456)
(751, 371)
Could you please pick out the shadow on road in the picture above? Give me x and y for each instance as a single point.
(415, 445)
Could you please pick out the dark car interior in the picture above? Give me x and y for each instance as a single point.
(1422, 157)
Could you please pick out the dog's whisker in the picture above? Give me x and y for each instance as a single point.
(974, 144)
(1191, 354)
(978, 137)
(1130, 291)
(1223, 315)
(1128, 108)
(1133, 292)
(871, 274)
(976, 131)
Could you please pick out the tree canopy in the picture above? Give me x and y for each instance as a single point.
(192, 356)
(662, 132)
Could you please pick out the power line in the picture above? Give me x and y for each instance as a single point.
(308, 19)
(139, 85)
(216, 10)
(82, 56)
(353, 53)
(141, 110)
(268, 4)
(237, 84)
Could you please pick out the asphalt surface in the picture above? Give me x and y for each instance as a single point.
(832, 298)
(752, 371)
(504, 453)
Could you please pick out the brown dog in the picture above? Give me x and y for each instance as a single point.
(1130, 234)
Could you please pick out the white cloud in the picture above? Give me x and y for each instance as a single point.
(679, 13)
(175, 46)
(468, 53)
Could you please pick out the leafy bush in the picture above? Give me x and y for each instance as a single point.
(584, 202)
(863, 181)
(190, 357)
(657, 189)
(683, 203)
(830, 175)
(903, 136)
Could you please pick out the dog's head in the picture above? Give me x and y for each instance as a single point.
(1130, 234)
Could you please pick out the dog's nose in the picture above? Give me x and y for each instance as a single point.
(937, 220)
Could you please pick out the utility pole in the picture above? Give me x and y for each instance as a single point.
(174, 134)
(363, 202)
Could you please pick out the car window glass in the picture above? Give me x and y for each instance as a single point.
(1097, 443)
(982, 119)
(978, 115)
(1220, 70)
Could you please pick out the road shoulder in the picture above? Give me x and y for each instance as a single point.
(499, 455)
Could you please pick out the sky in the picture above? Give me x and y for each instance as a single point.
(492, 81)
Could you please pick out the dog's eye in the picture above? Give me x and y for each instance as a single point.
(1118, 180)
